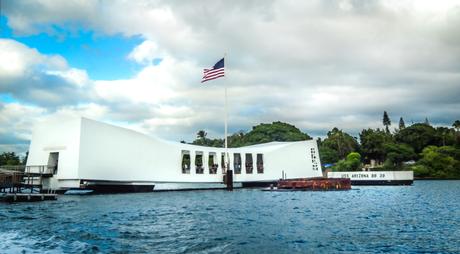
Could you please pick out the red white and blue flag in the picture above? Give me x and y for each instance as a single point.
(217, 71)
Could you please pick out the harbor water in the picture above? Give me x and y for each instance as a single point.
(424, 217)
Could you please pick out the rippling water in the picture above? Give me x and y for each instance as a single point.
(424, 217)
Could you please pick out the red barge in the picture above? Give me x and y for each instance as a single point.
(312, 184)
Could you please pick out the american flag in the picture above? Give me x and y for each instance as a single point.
(217, 71)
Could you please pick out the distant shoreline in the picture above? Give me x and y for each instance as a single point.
(434, 178)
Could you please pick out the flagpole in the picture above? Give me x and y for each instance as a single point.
(226, 114)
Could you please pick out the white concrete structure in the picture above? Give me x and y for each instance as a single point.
(82, 153)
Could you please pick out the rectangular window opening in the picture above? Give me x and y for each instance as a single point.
(260, 163)
(199, 169)
(185, 162)
(249, 164)
(222, 164)
(237, 163)
(212, 163)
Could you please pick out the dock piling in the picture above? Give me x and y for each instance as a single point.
(229, 180)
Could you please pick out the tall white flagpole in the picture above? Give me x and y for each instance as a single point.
(226, 114)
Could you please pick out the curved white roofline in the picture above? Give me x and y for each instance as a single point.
(259, 147)
(85, 150)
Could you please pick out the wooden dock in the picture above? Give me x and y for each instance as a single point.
(24, 185)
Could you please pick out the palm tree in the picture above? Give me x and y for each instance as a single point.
(456, 125)
(386, 121)
(402, 125)
(201, 134)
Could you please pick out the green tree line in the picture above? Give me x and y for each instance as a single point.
(262, 133)
(11, 159)
(428, 151)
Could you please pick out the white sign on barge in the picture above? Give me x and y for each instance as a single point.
(376, 177)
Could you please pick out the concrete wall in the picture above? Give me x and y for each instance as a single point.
(62, 136)
(116, 154)
(294, 159)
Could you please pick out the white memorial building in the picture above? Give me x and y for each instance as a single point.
(80, 153)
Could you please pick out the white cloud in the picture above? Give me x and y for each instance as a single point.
(153, 84)
(90, 110)
(16, 120)
(146, 52)
(316, 64)
(73, 76)
(47, 12)
(38, 78)
(16, 58)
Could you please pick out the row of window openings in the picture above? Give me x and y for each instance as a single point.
(313, 159)
(213, 166)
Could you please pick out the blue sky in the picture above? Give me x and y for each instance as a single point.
(103, 57)
(6, 98)
(314, 64)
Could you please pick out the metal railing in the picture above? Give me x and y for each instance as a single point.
(41, 169)
(38, 169)
(24, 178)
